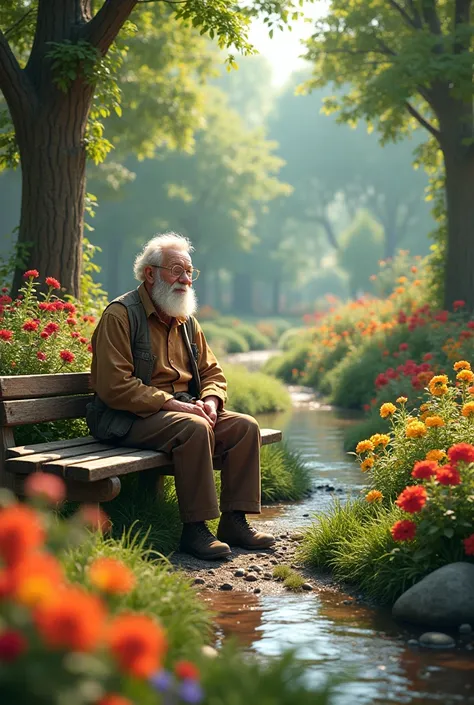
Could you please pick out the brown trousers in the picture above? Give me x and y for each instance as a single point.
(191, 443)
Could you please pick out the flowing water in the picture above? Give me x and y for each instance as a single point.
(331, 632)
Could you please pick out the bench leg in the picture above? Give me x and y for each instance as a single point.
(7, 440)
(151, 482)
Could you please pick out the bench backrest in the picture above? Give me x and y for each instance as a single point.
(28, 399)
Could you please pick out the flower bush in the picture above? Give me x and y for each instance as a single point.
(418, 509)
(41, 333)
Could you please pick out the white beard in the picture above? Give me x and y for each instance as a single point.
(172, 303)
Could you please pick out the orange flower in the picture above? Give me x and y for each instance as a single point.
(114, 699)
(387, 409)
(435, 455)
(74, 620)
(468, 409)
(380, 439)
(415, 429)
(43, 485)
(367, 464)
(374, 496)
(95, 517)
(438, 385)
(36, 579)
(138, 643)
(465, 376)
(112, 576)
(461, 365)
(186, 670)
(434, 421)
(412, 499)
(364, 446)
(21, 532)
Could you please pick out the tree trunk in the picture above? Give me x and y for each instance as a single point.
(53, 164)
(242, 293)
(459, 272)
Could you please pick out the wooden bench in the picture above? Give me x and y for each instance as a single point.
(91, 469)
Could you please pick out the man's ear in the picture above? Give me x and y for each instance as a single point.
(149, 273)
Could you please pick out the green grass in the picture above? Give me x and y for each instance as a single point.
(291, 579)
(159, 591)
(295, 358)
(281, 572)
(284, 474)
(254, 392)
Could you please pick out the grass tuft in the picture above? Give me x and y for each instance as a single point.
(284, 474)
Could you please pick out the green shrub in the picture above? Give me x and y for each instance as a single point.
(255, 339)
(289, 365)
(292, 336)
(224, 339)
(284, 474)
(254, 392)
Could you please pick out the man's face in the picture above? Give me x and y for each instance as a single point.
(171, 292)
(170, 259)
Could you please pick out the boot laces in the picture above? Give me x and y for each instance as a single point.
(242, 520)
(204, 531)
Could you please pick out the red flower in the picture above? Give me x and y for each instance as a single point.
(45, 486)
(470, 324)
(442, 316)
(137, 643)
(41, 356)
(67, 356)
(83, 340)
(5, 300)
(70, 308)
(458, 304)
(412, 499)
(44, 334)
(45, 306)
(403, 346)
(21, 532)
(186, 670)
(4, 289)
(75, 334)
(6, 335)
(424, 469)
(95, 517)
(403, 530)
(51, 328)
(71, 321)
(30, 326)
(58, 306)
(53, 283)
(469, 545)
(448, 475)
(402, 318)
(89, 349)
(31, 274)
(427, 357)
(461, 453)
(114, 699)
(12, 645)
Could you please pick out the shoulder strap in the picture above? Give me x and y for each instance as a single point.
(139, 330)
(189, 335)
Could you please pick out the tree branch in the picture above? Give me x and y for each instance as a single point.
(18, 22)
(424, 123)
(14, 84)
(410, 21)
(102, 29)
(462, 15)
(430, 15)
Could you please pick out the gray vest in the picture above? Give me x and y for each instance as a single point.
(110, 424)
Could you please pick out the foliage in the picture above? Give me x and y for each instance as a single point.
(255, 339)
(285, 476)
(224, 340)
(254, 392)
(361, 250)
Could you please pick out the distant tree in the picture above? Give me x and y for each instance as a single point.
(360, 251)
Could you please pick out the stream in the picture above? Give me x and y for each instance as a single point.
(332, 632)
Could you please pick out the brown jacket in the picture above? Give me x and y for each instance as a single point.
(112, 362)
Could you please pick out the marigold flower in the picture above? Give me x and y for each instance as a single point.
(412, 499)
(51, 328)
(31, 274)
(424, 407)
(461, 453)
(448, 475)
(30, 326)
(424, 469)
(435, 454)
(35, 579)
(12, 645)
(434, 421)
(415, 429)
(41, 356)
(137, 643)
(112, 576)
(402, 400)
(53, 283)
(73, 620)
(465, 376)
(187, 670)
(373, 496)
(364, 447)
(469, 545)
(461, 365)
(438, 385)
(367, 464)
(387, 409)
(114, 699)
(380, 439)
(468, 409)
(6, 334)
(43, 485)
(67, 356)
(403, 530)
(21, 532)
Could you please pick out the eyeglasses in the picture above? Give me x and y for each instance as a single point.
(177, 271)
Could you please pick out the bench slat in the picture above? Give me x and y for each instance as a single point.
(31, 386)
(120, 464)
(28, 411)
(34, 463)
(61, 464)
(50, 446)
(270, 435)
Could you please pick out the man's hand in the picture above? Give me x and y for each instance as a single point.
(211, 404)
(198, 409)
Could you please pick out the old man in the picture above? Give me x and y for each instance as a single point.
(158, 385)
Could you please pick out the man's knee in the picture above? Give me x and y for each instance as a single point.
(195, 426)
(246, 424)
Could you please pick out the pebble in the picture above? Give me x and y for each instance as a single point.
(306, 515)
(226, 586)
(251, 578)
(262, 555)
(465, 629)
(210, 571)
(257, 591)
(412, 642)
(437, 640)
(348, 602)
(297, 536)
(239, 573)
(209, 651)
(284, 548)
(267, 575)
(307, 586)
(199, 581)
(283, 536)
(274, 561)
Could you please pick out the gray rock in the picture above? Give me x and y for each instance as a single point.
(274, 561)
(199, 581)
(267, 575)
(262, 555)
(226, 586)
(307, 586)
(437, 640)
(210, 571)
(297, 536)
(306, 515)
(412, 642)
(239, 573)
(465, 629)
(251, 578)
(445, 598)
(257, 591)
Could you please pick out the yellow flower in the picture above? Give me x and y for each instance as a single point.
(374, 496)
(402, 400)
(438, 385)
(367, 464)
(415, 429)
(462, 365)
(424, 407)
(468, 409)
(387, 409)
(401, 280)
(435, 454)
(364, 447)
(465, 376)
(380, 439)
(434, 421)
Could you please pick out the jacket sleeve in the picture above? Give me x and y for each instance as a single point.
(112, 368)
(213, 381)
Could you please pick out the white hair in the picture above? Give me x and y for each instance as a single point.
(152, 252)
